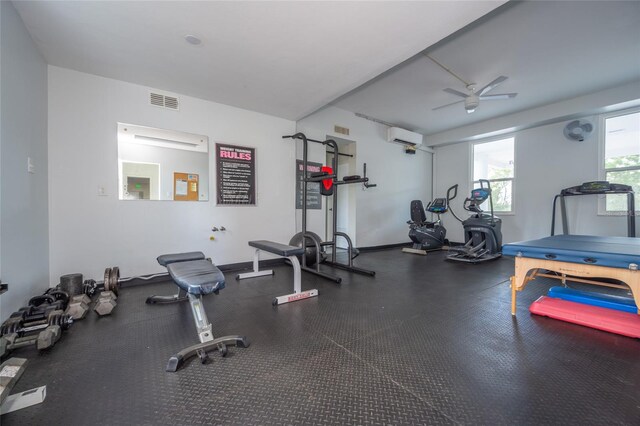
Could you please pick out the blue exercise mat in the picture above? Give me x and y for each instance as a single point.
(613, 252)
(619, 303)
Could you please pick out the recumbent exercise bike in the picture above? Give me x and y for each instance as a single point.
(429, 235)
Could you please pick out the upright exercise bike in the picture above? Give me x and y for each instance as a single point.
(482, 231)
(427, 235)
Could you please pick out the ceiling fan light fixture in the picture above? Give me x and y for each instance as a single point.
(471, 103)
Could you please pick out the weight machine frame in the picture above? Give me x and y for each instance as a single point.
(335, 234)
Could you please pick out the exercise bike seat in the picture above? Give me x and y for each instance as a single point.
(198, 277)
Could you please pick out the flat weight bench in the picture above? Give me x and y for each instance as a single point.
(291, 253)
(196, 277)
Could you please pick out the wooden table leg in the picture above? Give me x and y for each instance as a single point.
(513, 295)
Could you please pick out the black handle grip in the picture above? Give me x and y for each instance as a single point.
(550, 256)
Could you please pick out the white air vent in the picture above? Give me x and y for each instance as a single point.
(404, 137)
(164, 101)
(341, 130)
(171, 102)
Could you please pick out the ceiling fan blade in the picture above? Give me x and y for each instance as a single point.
(491, 85)
(444, 106)
(498, 96)
(455, 92)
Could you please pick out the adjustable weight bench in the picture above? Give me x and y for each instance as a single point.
(283, 250)
(196, 277)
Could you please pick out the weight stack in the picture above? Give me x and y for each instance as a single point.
(72, 284)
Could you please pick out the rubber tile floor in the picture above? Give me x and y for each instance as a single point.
(425, 341)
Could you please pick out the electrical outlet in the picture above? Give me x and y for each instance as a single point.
(101, 191)
(31, 168)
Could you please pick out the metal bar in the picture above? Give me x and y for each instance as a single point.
(553, 215)
(335, 278)
(334, 225)
(563, 211)
(297, 275)
(319, 178)
(256, 260)
(344, 155)
(350, 268)
(200, 318)
(346, 182)
(303, 137)
(349, 247)
(304, 197)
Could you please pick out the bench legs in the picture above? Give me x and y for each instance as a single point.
(256, 268)
(207, 341)
(297, 294)
(180, 297)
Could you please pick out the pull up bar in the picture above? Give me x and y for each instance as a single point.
(303, 137)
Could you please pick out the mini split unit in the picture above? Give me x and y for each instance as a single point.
(404, 137)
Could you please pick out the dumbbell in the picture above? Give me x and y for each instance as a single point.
(32, 313)
(106, 303)
(19, 326)
(78, 306)
(56, 300)
(43, 340)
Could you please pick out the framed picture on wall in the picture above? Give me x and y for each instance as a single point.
(236, 175)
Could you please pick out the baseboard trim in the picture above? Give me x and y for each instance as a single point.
(264, 264)
(383, 247)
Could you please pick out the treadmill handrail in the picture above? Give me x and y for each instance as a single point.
(575, 191)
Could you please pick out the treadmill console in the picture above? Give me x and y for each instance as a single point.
(597, 187)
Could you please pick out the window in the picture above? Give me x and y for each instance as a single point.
(494, 161)
(622, 156)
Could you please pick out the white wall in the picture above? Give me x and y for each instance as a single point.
(381, 212)
(89, 232)
(24, 247)
(545, 162)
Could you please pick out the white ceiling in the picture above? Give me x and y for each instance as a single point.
(549, 50)
(286, 59)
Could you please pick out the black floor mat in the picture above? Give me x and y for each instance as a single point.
(425, 341)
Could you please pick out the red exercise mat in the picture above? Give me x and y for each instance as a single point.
(605, 319)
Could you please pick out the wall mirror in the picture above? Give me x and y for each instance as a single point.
(158, 164)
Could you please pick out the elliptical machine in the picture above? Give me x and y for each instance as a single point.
(426, 235)
(482, 231)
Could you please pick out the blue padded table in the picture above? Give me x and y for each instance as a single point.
(584, 258)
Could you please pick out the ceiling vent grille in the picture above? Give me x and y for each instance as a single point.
(159, 100)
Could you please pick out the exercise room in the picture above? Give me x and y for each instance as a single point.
(312, 212)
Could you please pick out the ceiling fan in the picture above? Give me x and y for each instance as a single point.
(473, 97)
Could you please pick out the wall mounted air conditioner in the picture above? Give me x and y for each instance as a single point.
(405, 137)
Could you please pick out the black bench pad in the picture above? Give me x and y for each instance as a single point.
(166, 259)
(277, 248)
(197, 276)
